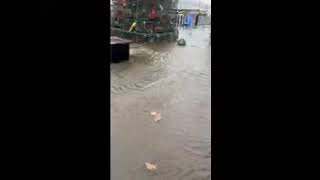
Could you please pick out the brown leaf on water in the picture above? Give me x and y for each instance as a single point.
(150, 166)
(153, 113)
(157, 117)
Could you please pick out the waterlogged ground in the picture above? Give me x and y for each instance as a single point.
(174, 81)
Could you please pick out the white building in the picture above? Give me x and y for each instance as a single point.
(196, 9)
(195, 4)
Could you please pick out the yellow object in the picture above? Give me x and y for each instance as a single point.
(134, 24)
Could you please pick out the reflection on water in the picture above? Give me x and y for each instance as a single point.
(176, 82)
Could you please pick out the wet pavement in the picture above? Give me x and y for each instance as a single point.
(176, 82)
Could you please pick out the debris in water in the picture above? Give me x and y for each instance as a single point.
(156, 116)
(182, 42)
(150, 166)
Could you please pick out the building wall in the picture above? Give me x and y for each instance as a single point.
(191, 7)
(194, 4)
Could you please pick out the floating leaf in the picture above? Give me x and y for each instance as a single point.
(157, 117)
(150, 166)
(153, 113)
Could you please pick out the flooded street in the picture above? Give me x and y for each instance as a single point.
(176, 82)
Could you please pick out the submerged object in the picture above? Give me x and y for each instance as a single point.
(182, 42)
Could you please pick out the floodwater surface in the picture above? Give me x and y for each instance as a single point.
(174, 81)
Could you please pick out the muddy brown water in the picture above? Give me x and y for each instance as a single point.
(176, 82)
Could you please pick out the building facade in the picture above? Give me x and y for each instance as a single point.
(194, 12)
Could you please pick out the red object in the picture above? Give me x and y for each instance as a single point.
(124, 2)
(153, 14)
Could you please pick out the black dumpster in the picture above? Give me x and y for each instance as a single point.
(120, 49)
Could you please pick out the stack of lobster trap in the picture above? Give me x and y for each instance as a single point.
(144, 20)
